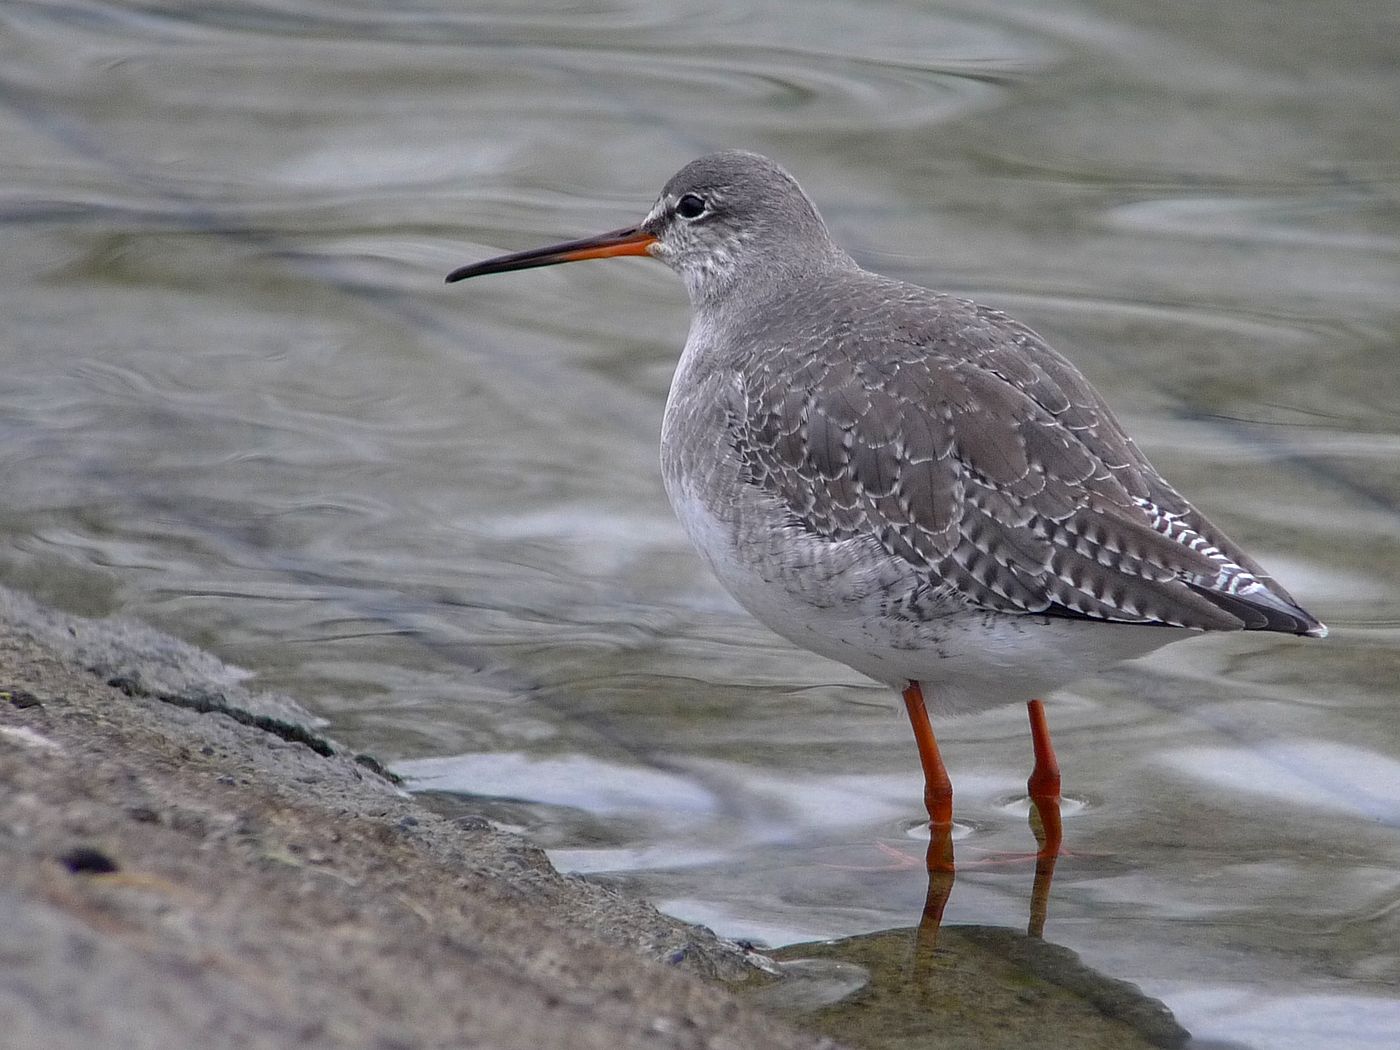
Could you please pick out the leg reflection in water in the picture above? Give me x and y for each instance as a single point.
(1044, 790)
(1044, 814)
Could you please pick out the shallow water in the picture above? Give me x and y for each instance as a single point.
(239, 403)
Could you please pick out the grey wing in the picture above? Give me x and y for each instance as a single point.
(981, 457)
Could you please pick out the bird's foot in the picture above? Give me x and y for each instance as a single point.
(937, 856)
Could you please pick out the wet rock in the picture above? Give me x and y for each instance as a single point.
(20, 698)
(88, 860)
(268, 893)
(980, 988)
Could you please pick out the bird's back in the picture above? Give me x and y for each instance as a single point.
(951, 440)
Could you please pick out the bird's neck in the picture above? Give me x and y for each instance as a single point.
(738, 288)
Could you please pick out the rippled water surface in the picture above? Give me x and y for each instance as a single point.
(239, 403)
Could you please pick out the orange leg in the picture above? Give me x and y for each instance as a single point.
(1044, 783)
(1044, 789)
(938, 788)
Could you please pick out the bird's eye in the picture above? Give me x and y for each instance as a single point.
(690, 206)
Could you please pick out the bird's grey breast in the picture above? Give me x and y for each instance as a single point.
(758, 540)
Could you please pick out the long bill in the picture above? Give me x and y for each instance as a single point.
(632, 240)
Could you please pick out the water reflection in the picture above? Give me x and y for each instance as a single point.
(942, 872)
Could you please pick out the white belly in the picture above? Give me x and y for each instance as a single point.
(844, 601)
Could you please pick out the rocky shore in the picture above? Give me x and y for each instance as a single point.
(188, 863)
